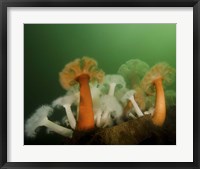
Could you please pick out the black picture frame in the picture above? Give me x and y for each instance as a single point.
(4, 4)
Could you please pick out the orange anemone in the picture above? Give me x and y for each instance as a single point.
(82, 71)
(153, 80)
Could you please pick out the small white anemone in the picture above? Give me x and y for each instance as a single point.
(110, 106)
(66, 101)
(40, 118)
(130, 96)
(114, 81)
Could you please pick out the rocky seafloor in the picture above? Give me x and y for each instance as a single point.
(140, 131)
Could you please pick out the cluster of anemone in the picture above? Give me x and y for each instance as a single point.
(106, 100)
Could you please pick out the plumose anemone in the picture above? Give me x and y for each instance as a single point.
(129, 96)
(40, 118)
(82, 71)
(133, 71)
(66, 102)
(154, 78)
(110, 106)
(139, 97)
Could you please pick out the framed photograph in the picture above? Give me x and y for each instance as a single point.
(99, 84)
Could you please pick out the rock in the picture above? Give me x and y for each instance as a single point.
(127, 133)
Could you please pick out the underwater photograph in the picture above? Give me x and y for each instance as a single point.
(99, 84)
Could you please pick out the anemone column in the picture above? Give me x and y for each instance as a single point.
(160, 107)
(86, 114)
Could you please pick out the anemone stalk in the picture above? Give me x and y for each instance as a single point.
(136, 107)
(56, 128)
(112, 89)
(70, 115)
(86, 114)
(159, 114)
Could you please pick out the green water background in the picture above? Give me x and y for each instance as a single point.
(48, 47)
